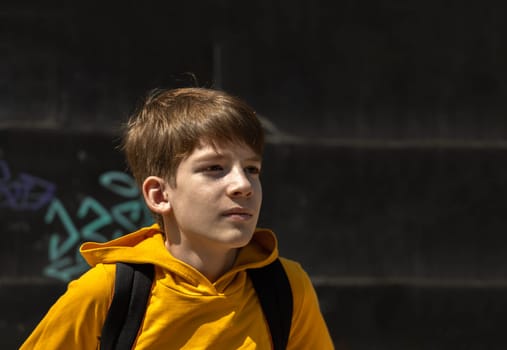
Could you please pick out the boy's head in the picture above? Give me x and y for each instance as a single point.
(170, 124)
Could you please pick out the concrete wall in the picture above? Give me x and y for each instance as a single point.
(384, 172)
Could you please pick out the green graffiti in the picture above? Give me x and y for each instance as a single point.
(91, 230)
(119, 183)
(57, 250)
(61, 270)
(123, 217)
(126, 214)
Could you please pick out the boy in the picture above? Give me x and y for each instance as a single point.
(196, 155)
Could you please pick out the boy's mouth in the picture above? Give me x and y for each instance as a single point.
(238, 212)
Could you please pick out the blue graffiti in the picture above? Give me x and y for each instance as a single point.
(102, 224)
(25, 192)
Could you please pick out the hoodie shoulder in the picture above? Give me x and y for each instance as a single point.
(75, 320)
(309, 329)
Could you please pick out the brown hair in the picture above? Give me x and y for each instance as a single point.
(170, 124)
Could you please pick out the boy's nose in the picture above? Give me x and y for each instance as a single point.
(239, 184)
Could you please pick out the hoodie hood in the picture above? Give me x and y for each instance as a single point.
(147, 246)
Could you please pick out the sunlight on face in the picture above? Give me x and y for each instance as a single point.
(217, 196)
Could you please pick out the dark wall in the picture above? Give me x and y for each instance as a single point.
(384, 172)
(353, 69)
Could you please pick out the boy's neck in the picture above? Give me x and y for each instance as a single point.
(212, 263)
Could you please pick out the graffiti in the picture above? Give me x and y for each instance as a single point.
(99, 224)
(25, 192)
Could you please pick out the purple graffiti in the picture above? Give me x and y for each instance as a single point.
(26, 192)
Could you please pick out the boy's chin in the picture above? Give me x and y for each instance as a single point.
(237, 238)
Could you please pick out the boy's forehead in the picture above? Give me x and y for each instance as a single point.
(223, 147)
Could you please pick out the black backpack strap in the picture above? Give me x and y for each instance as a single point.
(131, 292)
(275, 296)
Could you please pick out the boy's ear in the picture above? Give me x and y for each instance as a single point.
(155, 194)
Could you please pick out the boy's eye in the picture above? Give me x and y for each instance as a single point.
(254, 170)
(213, 168)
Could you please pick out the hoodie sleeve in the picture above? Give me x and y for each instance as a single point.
(75, 320)
(309, 330)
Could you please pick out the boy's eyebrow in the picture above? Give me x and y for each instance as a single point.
(255, 159)
(216, 156)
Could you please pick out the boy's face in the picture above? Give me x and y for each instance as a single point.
(217, 196)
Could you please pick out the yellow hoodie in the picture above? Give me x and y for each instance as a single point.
(185, 310)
